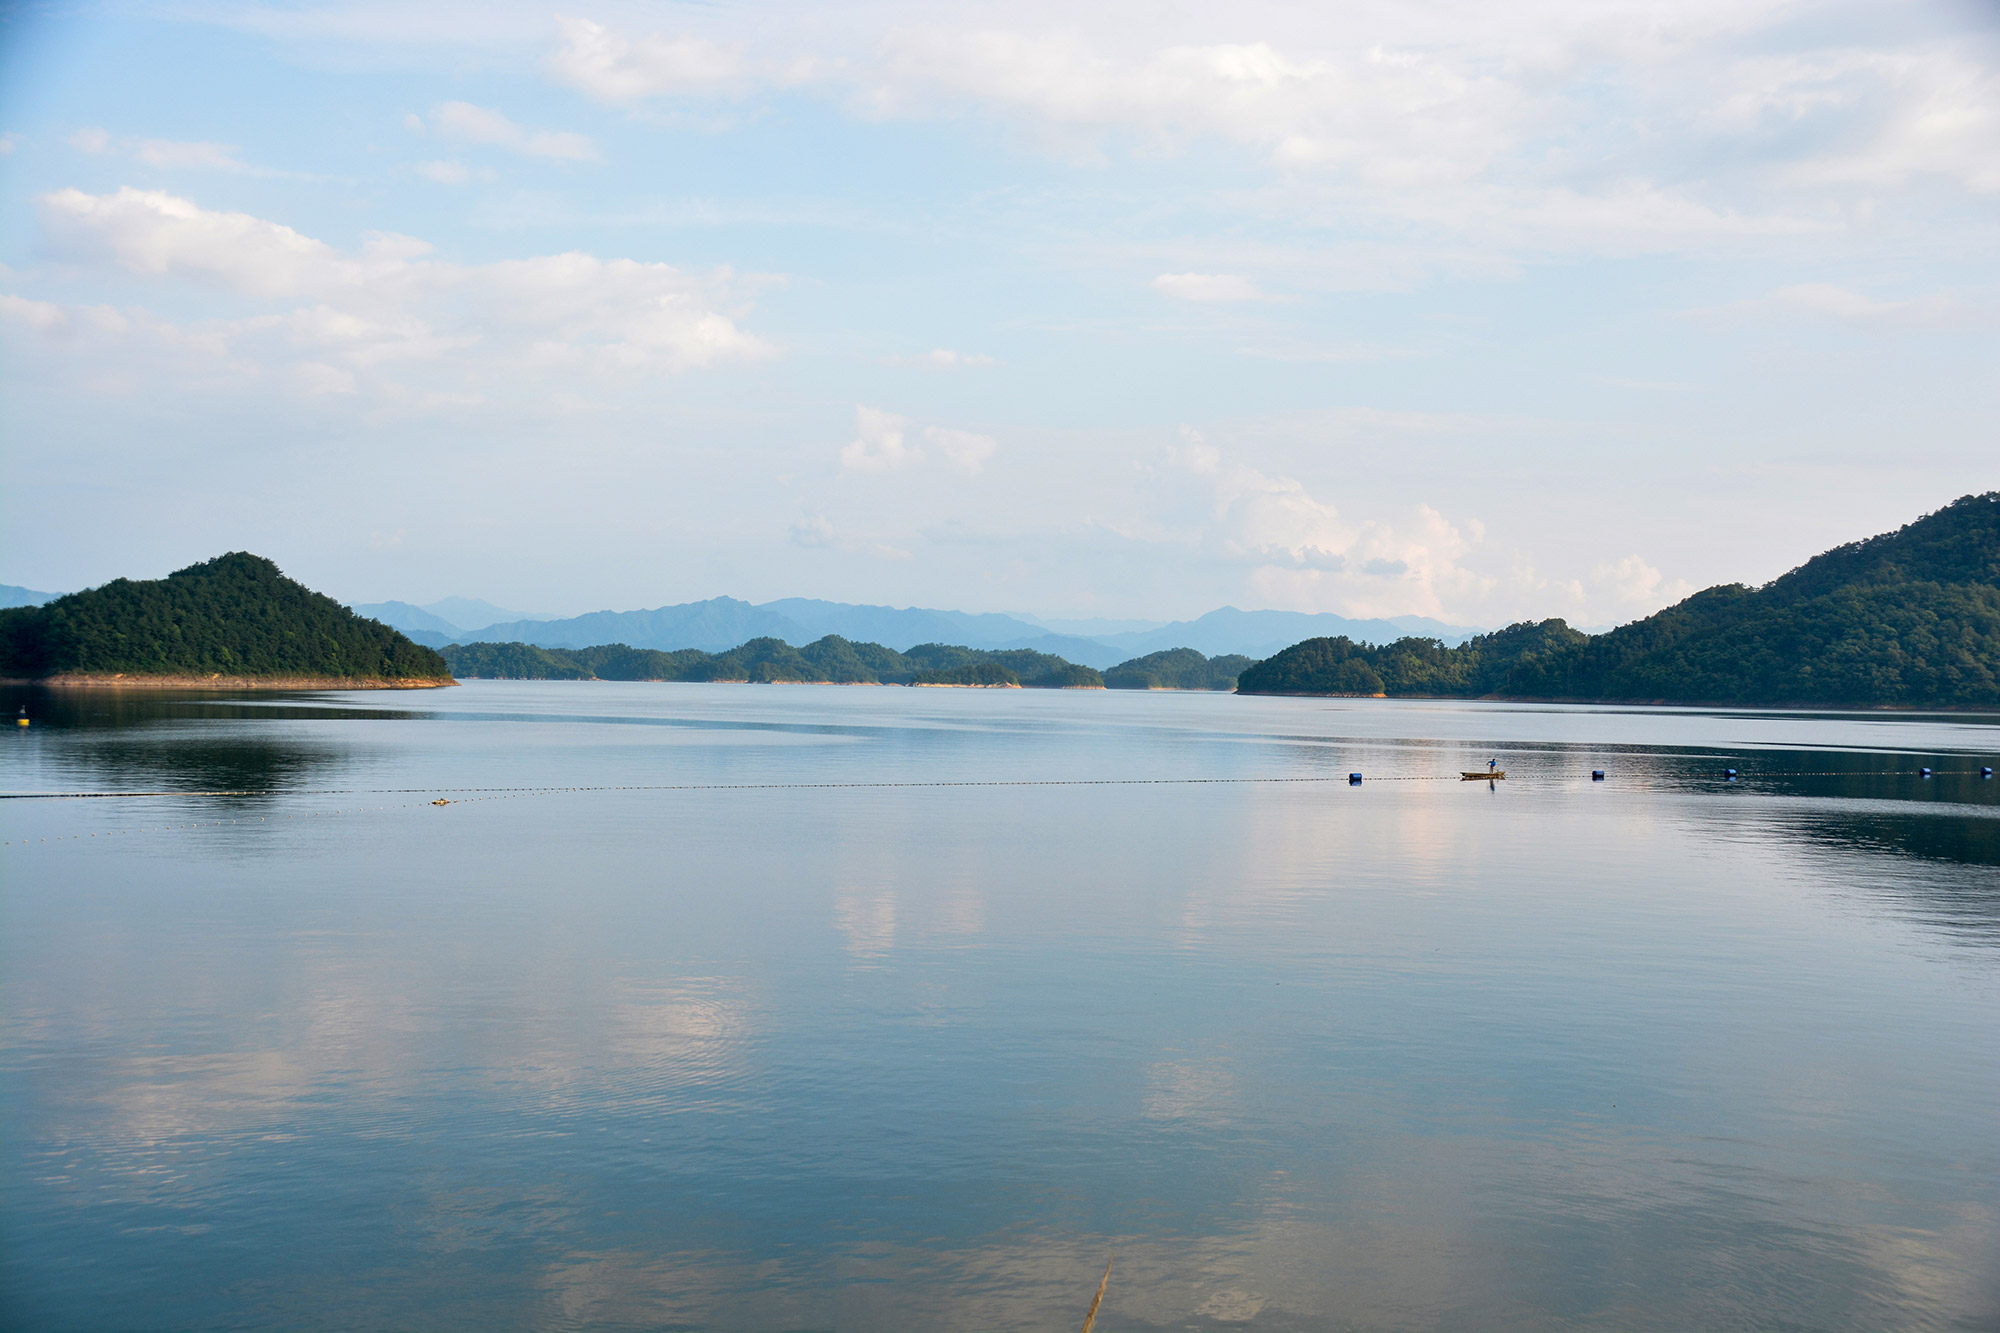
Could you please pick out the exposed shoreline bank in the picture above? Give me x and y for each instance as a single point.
(858, 684)
(1793, 707)
(121, 681)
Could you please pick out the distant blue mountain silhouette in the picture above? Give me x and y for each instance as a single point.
(722, 623)
(1261, 633)
(11, 595)
(410, 619)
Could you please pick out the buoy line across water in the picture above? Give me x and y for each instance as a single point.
(516, 793)
(476, 794)
(1342, 778)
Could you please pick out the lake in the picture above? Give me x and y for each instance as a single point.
(696, 1008)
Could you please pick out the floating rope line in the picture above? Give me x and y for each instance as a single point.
(471, 795)
(1342, 778)
(703, 786)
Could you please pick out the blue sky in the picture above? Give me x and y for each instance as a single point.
(1481, 311)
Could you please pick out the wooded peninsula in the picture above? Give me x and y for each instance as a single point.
(235, 621)
(1907, 619)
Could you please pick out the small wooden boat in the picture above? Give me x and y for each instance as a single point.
(1490, 775)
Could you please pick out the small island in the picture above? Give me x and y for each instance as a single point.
(234, 622)
(1178, 669)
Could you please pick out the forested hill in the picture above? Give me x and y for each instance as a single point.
(1910, 618)
(1177, 669)
(236, 616)
(829, 661)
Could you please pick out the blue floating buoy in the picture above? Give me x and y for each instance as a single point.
(1597, 775)
(1729, 775)
(1986, 772)
(1923, 772)
(1354, 779)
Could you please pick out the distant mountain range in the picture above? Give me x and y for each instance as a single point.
(722, 623)
(447, 619)
(11, 595)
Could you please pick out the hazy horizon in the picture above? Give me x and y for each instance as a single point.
(1481, 313)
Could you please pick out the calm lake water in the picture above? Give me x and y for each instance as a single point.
(1659, 1052)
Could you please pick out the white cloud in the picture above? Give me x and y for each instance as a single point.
(41, 316)
(1827, 300)
(9, 142)
(1538, 127)
(962, 447)
(1299, 552)
(1637, 587)
(1823, 298)
(943, 358)
(612, 67)
(815, 533)
(342, 322)
(878, 444)
(881, 443)
(175, 154)
(1396, 117)
(1207, 287)
(452, 173)
(1330, 354)
(167, 154)
(483, 125)
(154, 233)
(1929, 111)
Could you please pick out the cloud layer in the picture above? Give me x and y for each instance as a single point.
(1643, 125)
(388, 319)
(483, 125)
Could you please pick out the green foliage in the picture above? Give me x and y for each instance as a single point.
(235, 615)
(511, 661)
(1177, 669)
(831, 660)
(1909, 618)
(972, 673)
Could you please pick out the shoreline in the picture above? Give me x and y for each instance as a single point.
(1627, 703)
(124, 681)
(862, 684)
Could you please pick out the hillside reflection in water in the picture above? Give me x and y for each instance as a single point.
(1655, 1053)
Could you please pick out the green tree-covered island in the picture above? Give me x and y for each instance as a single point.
(837, 661)
(1907, 619)
(234, 621)
(1178, 669)
(829, 661)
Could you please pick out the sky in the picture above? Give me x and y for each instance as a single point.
(1475, 310)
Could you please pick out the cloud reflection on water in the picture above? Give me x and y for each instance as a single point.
(1643, 1055)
